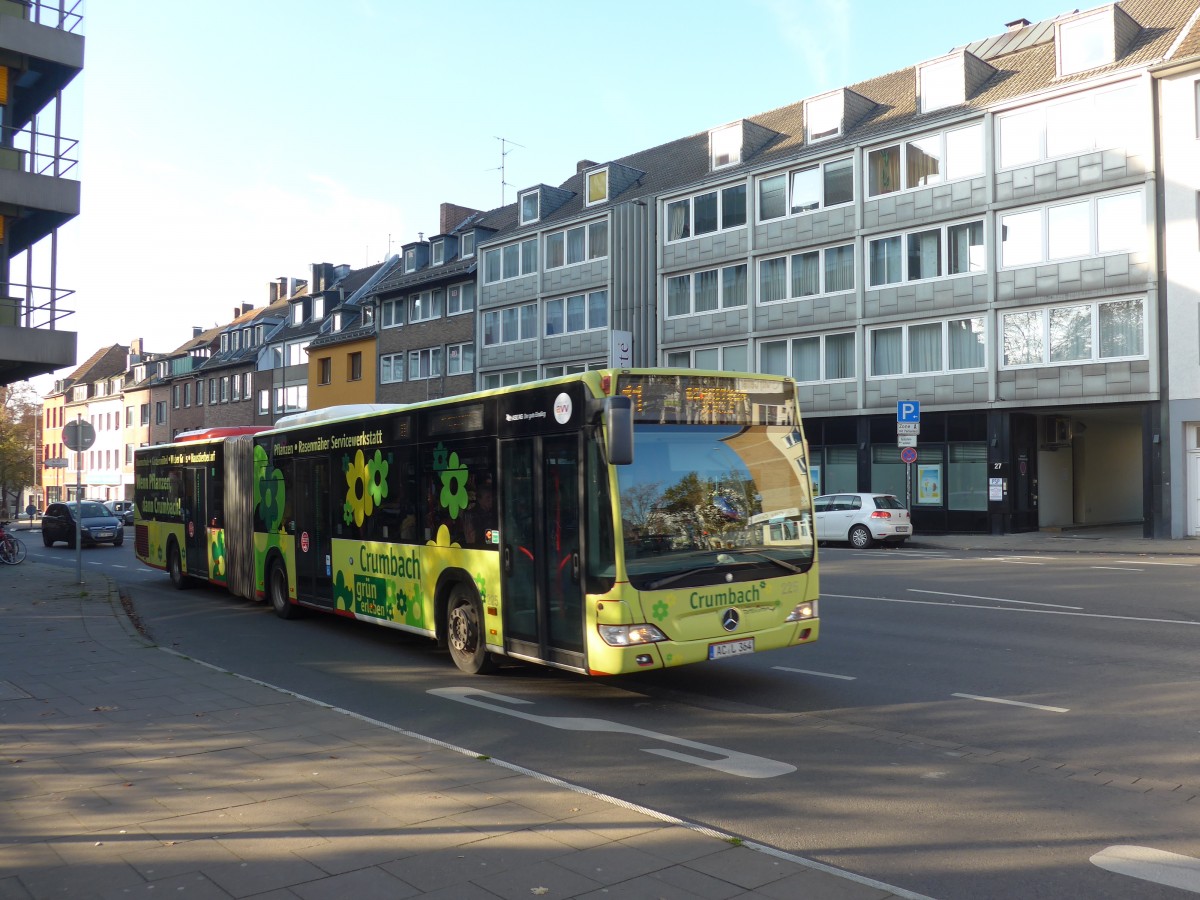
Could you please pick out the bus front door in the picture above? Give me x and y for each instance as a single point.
(195, 520)
(313, 532)
(540, 549)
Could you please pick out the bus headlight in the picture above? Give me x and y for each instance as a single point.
(803, 611)
(629, 635)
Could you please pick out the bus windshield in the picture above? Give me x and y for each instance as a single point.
(712, 503)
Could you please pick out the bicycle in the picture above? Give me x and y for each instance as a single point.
(12, 550)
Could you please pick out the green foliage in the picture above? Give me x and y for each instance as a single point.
(19, 411)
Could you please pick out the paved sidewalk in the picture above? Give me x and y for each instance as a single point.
(127, 771)
(1101, 539)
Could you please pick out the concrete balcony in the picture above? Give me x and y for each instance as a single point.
(43, 32)
(30, 342)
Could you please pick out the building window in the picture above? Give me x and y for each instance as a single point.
(706, 291)
(174, 396)
(466, 245)
(297, 319)
(931, 253)
(224, 388)
(296, 355)
(530, 206)
(225, 342)
(734, 358)
(952, 345)
(507, 379)
(325, 370)
(577, 245)
(198, 391)
(942, 84)
(1109, 223)
(509, 325)
(187, 394)
(725, 146)
(426, 305)
(460, 359)
(1096, 120)
(354, 366)
(597, 186)
(160, 412)
(806, 274)
(128, 417)
(828, 357)
(567, 315)
(439, 252)
(1083, 333)
(246, 386)
(235, 384)
(391, 368)
(460, 298)
(510, 261)
(410, 259)
(706, 213)
(391, 312)
(424, 364)
(823, 117)
(932, 159)
(212, 391)
(264, 402)
(1084, 43)
(144, 411)
(806, 189)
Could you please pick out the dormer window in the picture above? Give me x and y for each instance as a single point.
(597, 186)
(823, 117)
(725, 146)
(530, 204)
(337, 321)
(297, 316)
(225, 343)
(1085, 43)
(439, 252)
(941, 84)
(235, 342)
(410, 259)
(466, 245)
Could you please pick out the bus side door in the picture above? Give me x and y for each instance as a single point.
(540, 540)
(195, 520)
(313, 530)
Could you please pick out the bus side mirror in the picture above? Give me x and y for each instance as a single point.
(618, 430)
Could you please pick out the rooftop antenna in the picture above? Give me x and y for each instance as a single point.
(505, 144)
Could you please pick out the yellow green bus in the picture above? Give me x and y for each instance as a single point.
(606, 522)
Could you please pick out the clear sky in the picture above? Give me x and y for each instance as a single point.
(223, 145)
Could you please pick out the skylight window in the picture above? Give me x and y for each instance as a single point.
(725, 146)
(597, 186)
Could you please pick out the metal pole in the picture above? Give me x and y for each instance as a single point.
(78, 504)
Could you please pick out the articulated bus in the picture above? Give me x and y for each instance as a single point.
(607, 522)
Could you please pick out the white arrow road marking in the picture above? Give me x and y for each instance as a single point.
(993, 599)
(811, 672)
(1058, 709)
(729, 761)
(1157, 866)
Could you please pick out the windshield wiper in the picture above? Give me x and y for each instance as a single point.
(779, 562)
(676, 576)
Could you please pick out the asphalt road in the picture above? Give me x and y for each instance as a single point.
(969, 725)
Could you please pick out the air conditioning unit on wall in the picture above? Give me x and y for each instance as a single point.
(1056, 432)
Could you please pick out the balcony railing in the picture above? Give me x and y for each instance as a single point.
(33, 306)
(65, 15)
(37, 152)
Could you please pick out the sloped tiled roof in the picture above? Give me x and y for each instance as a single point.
(104, 363)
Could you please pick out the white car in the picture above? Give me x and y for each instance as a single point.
(861, 519)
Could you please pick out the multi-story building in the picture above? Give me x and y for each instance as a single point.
(220, 389)
(92, 394)
(41, 52)
(135, 398)
(54, 458)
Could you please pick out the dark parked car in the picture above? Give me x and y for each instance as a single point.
(98, 525)
(122, 509)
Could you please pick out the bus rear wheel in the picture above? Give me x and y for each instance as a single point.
(277, 589)
(464, 632)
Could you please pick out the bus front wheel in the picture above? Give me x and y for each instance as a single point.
(278, 589)
(175, 568)
(464, 632)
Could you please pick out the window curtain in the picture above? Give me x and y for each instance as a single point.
(706, 290)
(839, 268)
(733, 290)
(925, 348)
(773, 358)
(677, 220)
(885, 261)
(883, 170)
(576, 313)
(839, 356)
(679, 299)
(887, 356)
(924, 255)
(598, 309)
(806, 359)
(575, 243)
(773, 280)
(1122, 329)
(966, 341)
(806, 274)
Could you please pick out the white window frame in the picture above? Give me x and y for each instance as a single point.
(943, 254)
(902, 145)
(1110, 129)
(428, 359)
(814, 109)
(460, 358)
(466, 245)
(455, 294)
(673, 358)
(905, 327)
(564, 302)
(509, 377)
(438, 252)
(689, 203)
(1092, 201)
(721, 153)
(523, 263)
(789, 349)
(588, 249)
(523, 317)
(1068, 32)
(820, 251)
(587, 187)
(410, 259)
(789, 181)
(691, 277)
(1095, 357)
(941, 83)
(392, 312)
(392, 365)
(430, 304)
(536, 196)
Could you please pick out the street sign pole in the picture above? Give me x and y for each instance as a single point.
(78, 505)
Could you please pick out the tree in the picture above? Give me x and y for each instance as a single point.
(19, 411)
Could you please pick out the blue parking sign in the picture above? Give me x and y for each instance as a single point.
(908, 410)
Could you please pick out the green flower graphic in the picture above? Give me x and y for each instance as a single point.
(377, 473)
(661, 610)
(454, 487)
(347, 513)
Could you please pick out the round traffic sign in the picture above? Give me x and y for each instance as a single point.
(78, 435)
(909, 454)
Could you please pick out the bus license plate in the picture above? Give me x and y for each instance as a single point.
(730, 648)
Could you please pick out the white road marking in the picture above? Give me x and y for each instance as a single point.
(729, 761)
(1058, 709)
(993, 599)
(1032, 612)
(1147, 562)
(1156, 866)
(120, 567)
(821, 674)
(1117, 568)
